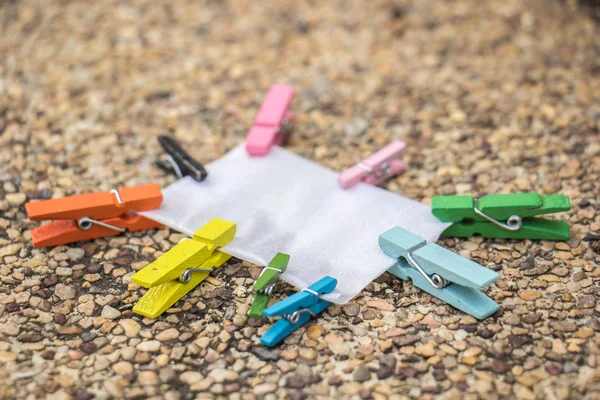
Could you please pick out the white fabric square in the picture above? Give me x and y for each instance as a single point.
(285, 203)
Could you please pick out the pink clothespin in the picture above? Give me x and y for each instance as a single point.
(272, 122)
(376, 168)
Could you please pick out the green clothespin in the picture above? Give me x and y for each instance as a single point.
(508, 216)
(265, 283)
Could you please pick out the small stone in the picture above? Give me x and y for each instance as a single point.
(10, 250)
(264, 388)
(380, 304)
(123, 368)
(426, 350)
(314, 331)
(48, 354)
(168, 334)
(361, 374)
(579, 276)
(114, 388)
(307, 353)
(351, 309)
(223, 375)
(75, 253)
(130, 326)
(110, 313)
(69, 330)
(584, 333)
(150, 346)
(16, 199)
(89, 348)
(356, 128)
(384, 372)
(295, 382)
(529, 295)
(7, 356)
(148, 378)
(190, 377)
(265, 354)
(518, 341)
(64, 292)
(203, 385)
(563, 326)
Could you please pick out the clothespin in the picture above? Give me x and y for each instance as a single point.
(179, 270)
(297, 309)
(93, 215)
(503, 216)
(272, 122)
(265, 283)
(376, 168)
(440, 272)
(178, 161)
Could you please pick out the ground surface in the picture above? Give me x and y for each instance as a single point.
(491, 97)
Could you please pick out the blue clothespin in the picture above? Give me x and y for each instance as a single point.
(440, 272)
(296, 310)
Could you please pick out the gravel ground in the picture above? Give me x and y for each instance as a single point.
(492, 97)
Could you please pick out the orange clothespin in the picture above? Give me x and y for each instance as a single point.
(93, 215)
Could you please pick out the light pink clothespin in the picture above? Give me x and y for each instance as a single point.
(272, 122)
(376, 168)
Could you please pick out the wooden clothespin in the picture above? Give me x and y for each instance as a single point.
(175, 273)
(376, 168)
(265, 283)
(507, 216)
(272, 122)
(179, 162)
(297, 309)
(440, 272)
(93, 215)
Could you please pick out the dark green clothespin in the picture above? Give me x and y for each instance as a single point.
(508, 216)
(265, 283)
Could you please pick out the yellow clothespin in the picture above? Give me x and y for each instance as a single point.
(182, 268)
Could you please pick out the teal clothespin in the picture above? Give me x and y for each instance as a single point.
(297, 309)
(508, 216)
(440, 272)
(265, 283)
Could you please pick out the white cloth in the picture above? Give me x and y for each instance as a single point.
(285, 203)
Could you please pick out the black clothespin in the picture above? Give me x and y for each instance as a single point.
(178, 161)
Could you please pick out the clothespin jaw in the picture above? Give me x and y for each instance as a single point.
(179, 162)
(440, 272)
(375, 169)
(297, 309)
(271, 122)
(508, 216)
(265, 283)
(93, 215)
(182, 268)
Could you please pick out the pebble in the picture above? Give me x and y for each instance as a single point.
(223, 375)
(16, 199)
(264, 388)
(190, 377)
(529, 295)
(168, 334)
(123, 368)
(426, 350)
(64, 292)
(110, 313)
(148, 378)
(361, 374)
(75, 253)
(150, 346)
(265, 354)
(131, 327)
